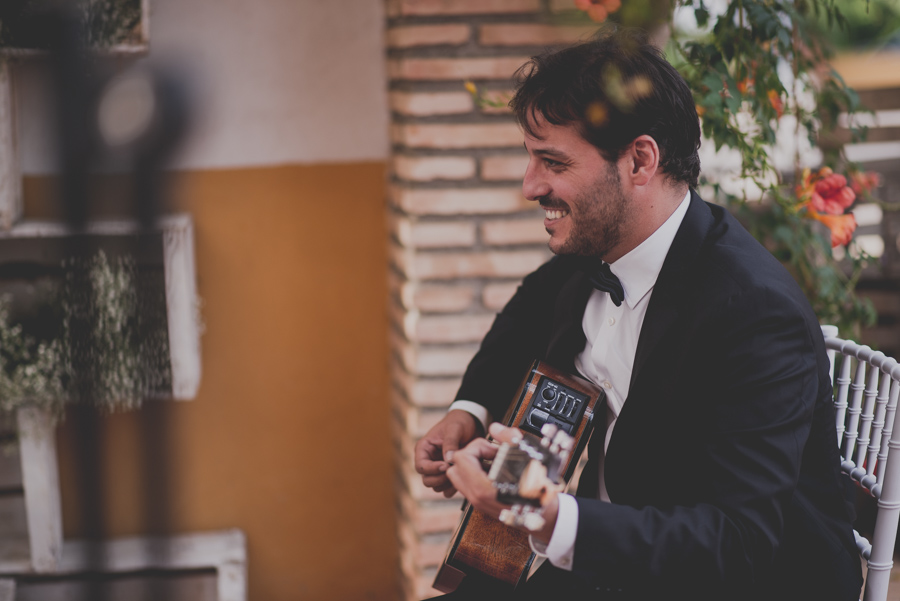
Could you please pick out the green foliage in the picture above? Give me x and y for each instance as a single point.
(805, 250)
(756, 68)
(116, 347)
(109, 348)
(111, 22)
(864, 25)
(30, 369)
(749, 67)
(106, 23)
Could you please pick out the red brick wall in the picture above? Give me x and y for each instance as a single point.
(462, 235)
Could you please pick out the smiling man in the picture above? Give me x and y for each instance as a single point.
(715, 475)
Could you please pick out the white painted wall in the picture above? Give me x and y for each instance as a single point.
(278, 82)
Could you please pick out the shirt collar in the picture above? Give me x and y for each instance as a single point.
(639, 268)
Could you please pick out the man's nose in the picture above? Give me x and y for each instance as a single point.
(534, 185)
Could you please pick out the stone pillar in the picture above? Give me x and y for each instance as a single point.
(462, 235)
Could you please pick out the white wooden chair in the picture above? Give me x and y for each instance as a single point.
(868, 435)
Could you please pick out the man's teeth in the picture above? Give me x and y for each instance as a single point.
(555, 214)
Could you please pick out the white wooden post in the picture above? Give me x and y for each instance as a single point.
(232, 582)
(224, 550)
(40, 480)
(182, 305)
(7, 589)
(10, 173)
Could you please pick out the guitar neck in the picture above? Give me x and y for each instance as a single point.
(485, 545)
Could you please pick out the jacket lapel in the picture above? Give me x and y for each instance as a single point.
(668, 292)
(567, 338)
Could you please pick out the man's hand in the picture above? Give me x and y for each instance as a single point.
(467, 475)
(435, 450)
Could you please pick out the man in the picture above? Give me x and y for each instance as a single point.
(716, 475)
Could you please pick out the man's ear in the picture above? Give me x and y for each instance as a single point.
(643, 159)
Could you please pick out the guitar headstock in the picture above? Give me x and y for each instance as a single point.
(526, 475)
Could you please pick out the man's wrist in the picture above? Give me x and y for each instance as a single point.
(479, 412)
(559, 547)
(549, 514)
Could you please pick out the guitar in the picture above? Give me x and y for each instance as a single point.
(482, 544)
(526, 475)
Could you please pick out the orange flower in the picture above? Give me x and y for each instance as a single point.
(598, 10)
(841, 226)
(824, 191)
(864, 181)
(597, 114)
(598, 13)
(831, 195)
(825, 195)
(776, 102)
(804, 188)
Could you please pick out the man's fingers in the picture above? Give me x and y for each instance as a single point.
(451, 445)
(503, 433)
(447, 488)
(434, 451)
(428, 458)
(480, 448)
(434, 480)
(431, 468)
(468, 476)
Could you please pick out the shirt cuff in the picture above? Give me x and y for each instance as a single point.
(478, 411)
(561, 548)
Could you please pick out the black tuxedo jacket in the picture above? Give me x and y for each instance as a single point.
(723, 468)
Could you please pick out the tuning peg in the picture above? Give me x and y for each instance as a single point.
(533, 521)
(563, 440)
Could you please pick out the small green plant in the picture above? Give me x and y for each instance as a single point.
(106, 23)
(31, 370)
(109, 347)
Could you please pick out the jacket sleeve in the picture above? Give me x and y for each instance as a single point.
(517, 337)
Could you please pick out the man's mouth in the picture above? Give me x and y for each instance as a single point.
(555, 213)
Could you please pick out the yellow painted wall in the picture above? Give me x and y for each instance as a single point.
(288, 438)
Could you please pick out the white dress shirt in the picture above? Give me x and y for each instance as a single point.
(607, 360)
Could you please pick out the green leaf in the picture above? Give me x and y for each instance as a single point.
(702, 16)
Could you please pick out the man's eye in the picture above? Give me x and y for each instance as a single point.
(552, 164)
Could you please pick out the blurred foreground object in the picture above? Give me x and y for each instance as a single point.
(91, 308)
(98, 311)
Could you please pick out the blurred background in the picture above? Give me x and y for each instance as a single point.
(283, 175)
(350, 221)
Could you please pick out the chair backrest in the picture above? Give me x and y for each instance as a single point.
(866, 386)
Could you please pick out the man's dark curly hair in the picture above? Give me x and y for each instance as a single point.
(613, 88)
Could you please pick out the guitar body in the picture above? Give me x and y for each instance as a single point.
(485, 545)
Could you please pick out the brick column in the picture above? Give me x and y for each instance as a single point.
(462, 235)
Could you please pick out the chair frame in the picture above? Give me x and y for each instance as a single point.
(868, 435)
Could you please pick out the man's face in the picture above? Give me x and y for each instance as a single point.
(581, 192)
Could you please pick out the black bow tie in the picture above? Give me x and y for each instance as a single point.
(602, 278)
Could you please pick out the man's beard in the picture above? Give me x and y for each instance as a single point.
(598, 227)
